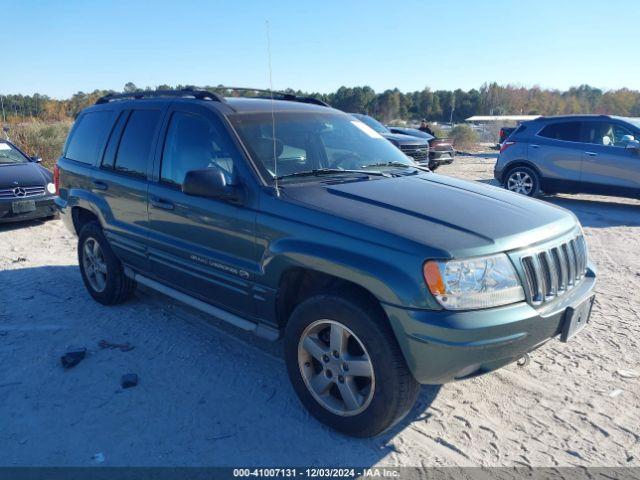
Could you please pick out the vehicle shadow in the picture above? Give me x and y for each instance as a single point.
(208, 395)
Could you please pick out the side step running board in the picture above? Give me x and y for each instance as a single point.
(259, 329)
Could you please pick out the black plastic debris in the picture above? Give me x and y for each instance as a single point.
(129, 380)
(73, 357)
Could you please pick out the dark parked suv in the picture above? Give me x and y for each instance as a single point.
(324, 233)
(578, 153)
(415, 147)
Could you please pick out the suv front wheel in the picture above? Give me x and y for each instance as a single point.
(102, 272)
(523, 180)
(346, 366)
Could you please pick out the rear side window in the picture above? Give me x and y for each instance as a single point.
(137, 142)
(89, 136)
(567, 131)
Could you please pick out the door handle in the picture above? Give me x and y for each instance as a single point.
(158, 202)
(533, 145)
(591, 154)
(99, 185)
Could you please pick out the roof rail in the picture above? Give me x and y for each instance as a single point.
(187, 92)
(280, 95)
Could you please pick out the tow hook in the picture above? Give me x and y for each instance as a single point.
(524, 360)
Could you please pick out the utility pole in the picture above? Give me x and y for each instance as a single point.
(4, 117)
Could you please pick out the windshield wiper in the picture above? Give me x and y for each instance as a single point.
(316, 172)
(391, 164)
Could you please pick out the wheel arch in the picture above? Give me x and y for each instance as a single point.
(298, 284)
(520, 163)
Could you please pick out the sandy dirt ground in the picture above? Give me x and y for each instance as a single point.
(210, 395)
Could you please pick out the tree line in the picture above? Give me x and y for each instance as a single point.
(438, 105)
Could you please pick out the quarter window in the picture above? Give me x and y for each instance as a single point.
(567, 131)
(89, 136)
(136, 144)
(193, 143)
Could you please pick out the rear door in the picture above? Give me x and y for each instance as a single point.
(122, 181)
(608, 167)
(556, 150)
(202, 246)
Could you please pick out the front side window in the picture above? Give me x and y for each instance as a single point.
(193, 143)
(566, 131)
(89, 136)
(10, 155)
(608, 134)
(306, 141)
(136, 144)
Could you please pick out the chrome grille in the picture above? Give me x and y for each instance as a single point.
(22, 192)
(417, 152)
(552, 271)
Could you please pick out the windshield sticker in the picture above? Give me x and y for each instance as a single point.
(5, 146)
(367, 129)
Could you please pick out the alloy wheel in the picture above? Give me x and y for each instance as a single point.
(336, 367)
(94, 264)
(520, 182)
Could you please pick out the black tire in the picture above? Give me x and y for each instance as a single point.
(524, 172)
(118, 287)
(395, 389)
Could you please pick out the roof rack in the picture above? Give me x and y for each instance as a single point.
(280, 95)
(186, 92)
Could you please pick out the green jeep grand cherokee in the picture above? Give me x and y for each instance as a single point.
(287, 217)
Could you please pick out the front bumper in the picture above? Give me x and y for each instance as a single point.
(442, 346)
(45, 207)
(441, 157)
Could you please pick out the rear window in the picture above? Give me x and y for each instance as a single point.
(89, 136)
(567, 131)
(137, 142)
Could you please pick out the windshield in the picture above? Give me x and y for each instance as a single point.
(372, 122)
(309, 141)
(9, 155)
(633, 121)
(414, 132)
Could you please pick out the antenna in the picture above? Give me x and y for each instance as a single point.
(273, 115)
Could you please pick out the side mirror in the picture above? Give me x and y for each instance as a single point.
(210, 183)
(36, 159)
(634, 146)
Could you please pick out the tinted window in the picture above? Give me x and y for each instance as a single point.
(567, 131)
(608, 133)
(194, 142)
(137, 142)
(89, 136)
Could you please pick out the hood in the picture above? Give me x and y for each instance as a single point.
(453, 218)
(23, 174)
(400, 139)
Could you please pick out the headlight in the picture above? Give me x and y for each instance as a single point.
(473, 283)
(51, 188)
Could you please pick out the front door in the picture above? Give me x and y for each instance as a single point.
(608, 167)
(202, 246)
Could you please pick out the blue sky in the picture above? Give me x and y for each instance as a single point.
(59, 48)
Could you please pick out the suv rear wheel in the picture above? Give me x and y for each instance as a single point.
(102, 273)
(346, 367)
(523, 180)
